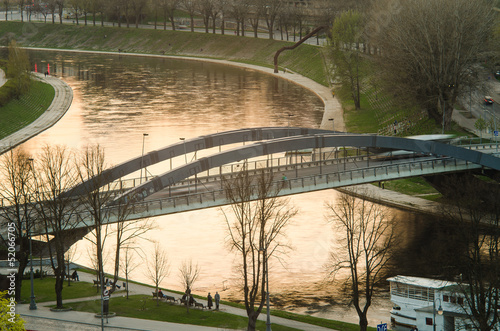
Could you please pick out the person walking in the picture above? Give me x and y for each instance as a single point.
(217, 300)
(209, 298)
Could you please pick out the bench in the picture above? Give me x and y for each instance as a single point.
(170, 298)
(199, 304)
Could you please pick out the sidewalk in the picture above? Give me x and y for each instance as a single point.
(2, 78)
(61, 103)
(44, 319)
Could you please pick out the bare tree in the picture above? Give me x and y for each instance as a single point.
(76, 7)
(52, 5)
(95, 197)
(157, 267)
(474, 209)
(60, 9)
(128, 263)
(430, 47)
(21, 8)
(257, 231)
(257, 13)
(188, 273)
(17, 190)
(55, 175)
(364, 251)
(206, 8)
(138, 7)
(190, 6)
(225, 11)
(126, 232)
(239, 10)
(272, 9)
(347, 34)
(6, 7)
(168, 7)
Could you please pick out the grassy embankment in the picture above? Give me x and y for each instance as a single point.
(19, 113)
(306, 60)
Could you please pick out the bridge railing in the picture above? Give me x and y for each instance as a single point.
(292, 159)
(335, 179)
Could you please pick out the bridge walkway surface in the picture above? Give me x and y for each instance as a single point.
(45, 319)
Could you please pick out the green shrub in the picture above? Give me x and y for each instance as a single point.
(7, 92)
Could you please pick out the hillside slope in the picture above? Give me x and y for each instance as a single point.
(306, 59)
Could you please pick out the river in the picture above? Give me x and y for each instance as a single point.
(117, 99)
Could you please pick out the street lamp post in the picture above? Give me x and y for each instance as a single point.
(439, 311)
(144, 135)
(266, 277)
(32, 297)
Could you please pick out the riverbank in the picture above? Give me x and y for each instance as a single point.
(306, 60)
(43, 316)
(60, 104)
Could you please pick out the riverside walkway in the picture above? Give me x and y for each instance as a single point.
(61, 103)
(45, 319)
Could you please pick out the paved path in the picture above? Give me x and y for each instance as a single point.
(2, 78)
(61, 103)
(44, 319)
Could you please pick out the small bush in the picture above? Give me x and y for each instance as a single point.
(7, 92)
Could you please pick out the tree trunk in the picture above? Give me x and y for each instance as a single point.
(23, 262)
(363, 322)
(252, 322)
(172, 21)
(59, 285)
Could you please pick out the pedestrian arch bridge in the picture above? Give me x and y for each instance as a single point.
(311, 160)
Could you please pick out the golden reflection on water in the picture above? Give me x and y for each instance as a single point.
(122, 98)
(117, 99)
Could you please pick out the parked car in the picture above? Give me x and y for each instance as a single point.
(488, 100)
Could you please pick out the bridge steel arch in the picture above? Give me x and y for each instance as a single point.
(189, 146)
(305, 142)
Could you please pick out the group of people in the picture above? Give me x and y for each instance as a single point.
(74, 275)
(216, 299)
(187, 294)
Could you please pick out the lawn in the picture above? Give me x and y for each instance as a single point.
(44, 290)
(19, 113)
(141, 306)
(415, 186)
